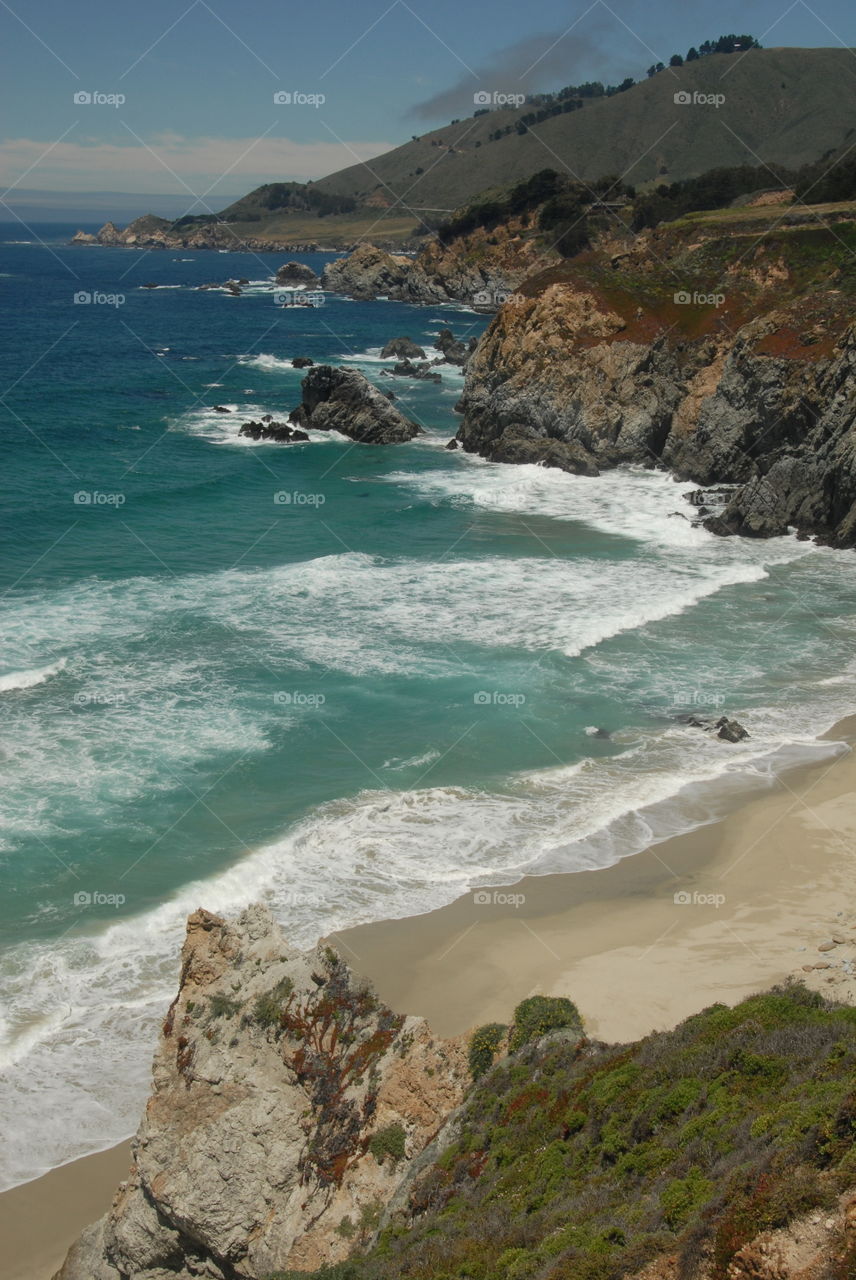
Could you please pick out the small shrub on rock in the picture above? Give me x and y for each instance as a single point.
(483, 1046)
(536, 1016)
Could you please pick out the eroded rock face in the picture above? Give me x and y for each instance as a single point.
(344, 400)
(277, 1075)
(564, 372)
(370, 272)
(557, 366)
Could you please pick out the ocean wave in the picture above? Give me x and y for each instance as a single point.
(27, 679)
(76, 1073)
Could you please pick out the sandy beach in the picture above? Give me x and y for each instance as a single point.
(710, 916)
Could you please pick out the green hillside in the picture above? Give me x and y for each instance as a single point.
(786, 106)
(580, 1161)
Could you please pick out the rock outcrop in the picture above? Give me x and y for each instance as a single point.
(752, 387)
(296, 273)
(288, 1105)
(344, 400)
(267, 429)
(402, 349)
(370, 272)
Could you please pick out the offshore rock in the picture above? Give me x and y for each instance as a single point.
(344, 400)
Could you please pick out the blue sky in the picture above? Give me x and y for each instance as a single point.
(199, 78)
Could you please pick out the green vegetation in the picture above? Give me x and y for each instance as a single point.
(578, 1161)
(536, 1016)
(483, 1047)
(268, 1009)
(222, 1007)
(388, 1143)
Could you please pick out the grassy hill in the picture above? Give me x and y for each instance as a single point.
(786, 106)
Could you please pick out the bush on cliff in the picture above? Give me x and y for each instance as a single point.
(579, 1161)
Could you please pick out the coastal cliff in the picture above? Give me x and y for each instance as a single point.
(287, 1104)
(720, 347)
(298, 1127)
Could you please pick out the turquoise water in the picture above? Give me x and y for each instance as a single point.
(351, 681)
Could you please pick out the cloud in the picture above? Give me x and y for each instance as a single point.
(170, 160)
(599, 47)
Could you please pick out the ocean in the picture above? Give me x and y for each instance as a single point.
(350, 681)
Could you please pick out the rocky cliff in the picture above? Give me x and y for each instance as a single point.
(721, 347)
(287, 1106)
(481, 269)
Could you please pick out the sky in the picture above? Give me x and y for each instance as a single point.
(177, 98)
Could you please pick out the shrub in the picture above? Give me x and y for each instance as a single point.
(483, 1046)
(388, 1143)
(683, 1196)
(268, 1007)
(222, 1006)
(536, 1016)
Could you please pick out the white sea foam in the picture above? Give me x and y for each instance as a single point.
(27, 679)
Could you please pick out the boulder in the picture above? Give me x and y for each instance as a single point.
(730, 730)
(296, 273)
(407, 369)
(302, 362)
(281, 432)
(453, 351)
(402, 349)
(83, 237)
(344, 400)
